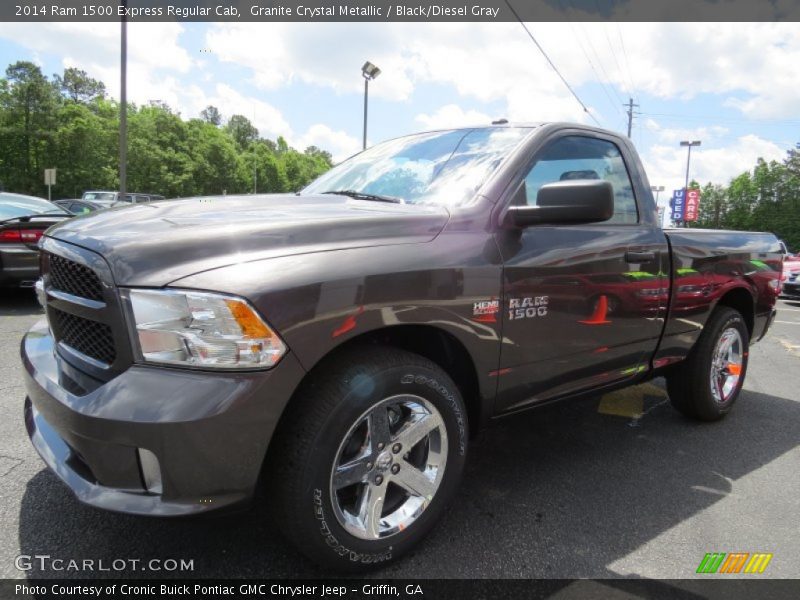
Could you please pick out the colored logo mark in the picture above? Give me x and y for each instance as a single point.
(734, 562)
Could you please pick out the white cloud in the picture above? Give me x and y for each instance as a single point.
(316, 53)
(154, 49)
(269, 121)
(675, 135)
(452, 115)
(666, 165)
(340, 144)
(487, 62)
(750, 64)
(750, 67)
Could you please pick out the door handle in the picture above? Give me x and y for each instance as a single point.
(639, 257)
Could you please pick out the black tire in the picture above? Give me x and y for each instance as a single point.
(313, 433)
(689, 384)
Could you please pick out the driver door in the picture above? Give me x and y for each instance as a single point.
(584, 304)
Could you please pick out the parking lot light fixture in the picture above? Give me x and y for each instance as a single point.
(368, 72)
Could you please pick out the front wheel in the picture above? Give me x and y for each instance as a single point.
(708, 383)
(368, 457)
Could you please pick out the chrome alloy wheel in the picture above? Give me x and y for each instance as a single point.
(389, 467)
(727, 364)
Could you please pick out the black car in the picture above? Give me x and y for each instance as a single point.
(23, 220)
(81, 207)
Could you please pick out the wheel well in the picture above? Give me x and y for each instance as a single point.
(434, 344)
(740, 300)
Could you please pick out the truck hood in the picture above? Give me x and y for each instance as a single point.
(157, 243)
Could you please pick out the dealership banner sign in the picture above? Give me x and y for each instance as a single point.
(678, 205)
(692, 205)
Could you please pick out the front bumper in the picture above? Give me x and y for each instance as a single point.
(791, 290)
(208, 431)
(18, 264)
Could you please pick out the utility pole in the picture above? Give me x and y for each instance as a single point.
(255, 160)
(630, 106)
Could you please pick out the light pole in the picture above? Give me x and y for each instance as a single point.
(688, 159)
(368, 71)
(123, 106)
(658, 189)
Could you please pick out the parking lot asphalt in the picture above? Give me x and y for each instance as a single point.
(615, 487)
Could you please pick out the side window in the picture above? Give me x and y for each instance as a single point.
(577, 157)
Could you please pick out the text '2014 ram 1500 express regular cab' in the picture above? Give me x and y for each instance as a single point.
(340, 346)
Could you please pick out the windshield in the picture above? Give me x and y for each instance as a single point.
(100, 196)
(442, 167)
(12, 205)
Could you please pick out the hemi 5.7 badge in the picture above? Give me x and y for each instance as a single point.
(487, 307)
(527, 308)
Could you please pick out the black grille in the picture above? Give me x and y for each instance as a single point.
(75, 279)
(87, 337)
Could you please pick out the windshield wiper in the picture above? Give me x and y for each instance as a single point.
(364, 196)
(27, 218)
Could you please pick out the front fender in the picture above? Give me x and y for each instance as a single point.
(319, 301)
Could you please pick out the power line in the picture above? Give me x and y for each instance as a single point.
(600, 63)
(627, 62)
(614, 56)
(551, 63)
(766, 120)
(601, 80)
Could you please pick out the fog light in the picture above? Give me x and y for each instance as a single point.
(151, 471)
(40, 295)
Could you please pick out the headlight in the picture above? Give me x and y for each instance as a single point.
(203, 330)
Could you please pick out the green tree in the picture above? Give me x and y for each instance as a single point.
(68, 123)
(210, 114)
(77, 86)
(216, 165)
(324, 155)
(85, 147)
(242, 131)
(270, 171)
(713, 205)
(158, 152)
(28, 103)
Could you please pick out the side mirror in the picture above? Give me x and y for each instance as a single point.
(575, 201)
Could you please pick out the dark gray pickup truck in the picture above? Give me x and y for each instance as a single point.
(339, 347)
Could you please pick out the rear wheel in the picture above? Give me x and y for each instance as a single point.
(708, 383)
(368, 457)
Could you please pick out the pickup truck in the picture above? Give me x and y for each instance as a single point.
(337, 349)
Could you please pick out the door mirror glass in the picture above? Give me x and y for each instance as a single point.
(577, 158)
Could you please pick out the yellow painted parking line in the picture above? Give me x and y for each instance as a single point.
(623, 403)
(793, 349)
(629, 402)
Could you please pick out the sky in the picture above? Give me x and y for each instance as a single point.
(731, 85)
